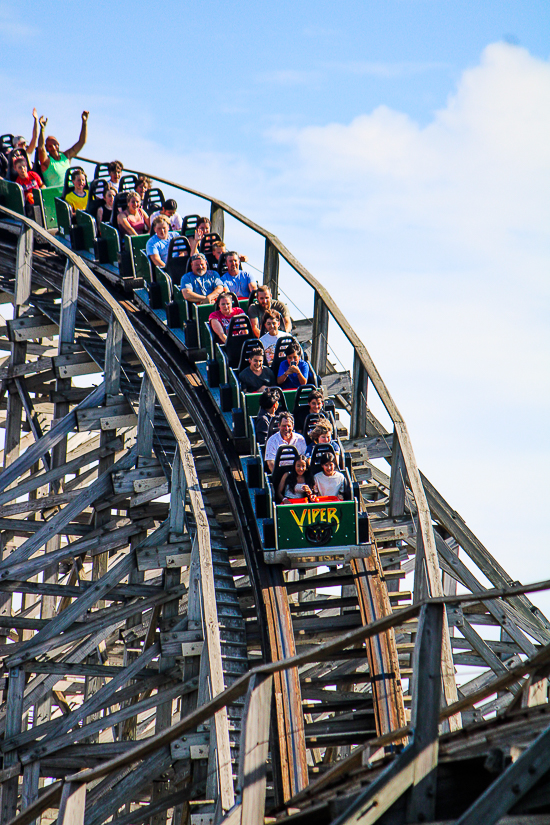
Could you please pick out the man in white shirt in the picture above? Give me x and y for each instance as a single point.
(287, 436)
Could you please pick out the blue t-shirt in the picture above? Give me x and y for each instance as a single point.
(240, 284)
(159, 245)
(292, 382)
(202, 284)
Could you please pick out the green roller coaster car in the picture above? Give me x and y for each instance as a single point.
(317, 524)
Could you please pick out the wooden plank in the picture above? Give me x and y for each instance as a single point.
(28, 368)
(34, 326)
(73, 803)
(254, 750)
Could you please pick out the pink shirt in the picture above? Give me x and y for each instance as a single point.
(224, 319)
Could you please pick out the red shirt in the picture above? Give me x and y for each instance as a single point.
(32, 181)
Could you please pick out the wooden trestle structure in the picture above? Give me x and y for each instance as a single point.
(156, 669)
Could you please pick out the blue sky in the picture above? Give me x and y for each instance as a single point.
(400, 149)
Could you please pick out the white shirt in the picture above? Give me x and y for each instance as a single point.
(269, 342)
(329, 485)
(277, 440)
(176, 222)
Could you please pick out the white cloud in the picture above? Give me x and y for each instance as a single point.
(386, 69)
(288, 77)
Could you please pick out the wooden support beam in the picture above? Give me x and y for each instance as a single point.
(146, 417)
(73, 804)
(271, 268)
(254, 750)
(358, 424)
(216, 219)
(14, 722)
(319, 343)
(398, 480)
(425, 711)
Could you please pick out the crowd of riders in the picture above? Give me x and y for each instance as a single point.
(213, 275)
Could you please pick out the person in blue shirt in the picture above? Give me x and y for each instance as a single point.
(293, 372)
(237, 281)
(201, 285)
(158, 244)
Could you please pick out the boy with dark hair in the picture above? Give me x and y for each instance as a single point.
(27, 181)
(255, 377)
(269, 402)
(293, 371)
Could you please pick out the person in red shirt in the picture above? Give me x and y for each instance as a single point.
(27, 180)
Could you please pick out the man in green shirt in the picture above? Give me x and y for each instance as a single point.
(53, 163)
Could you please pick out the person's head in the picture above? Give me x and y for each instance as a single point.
(19, 142)
(292, 353)
(272, 322)
(315, 401)
(134, 201)
(170, 208)
(225, 304)
(52, 147)
(110, 195)
(232, 262)
(328, 463)
(20, 166)
(263, 296)
(161, 227)
(203, 227)
(257, 360)
(79, 179)
(218, 248)
(286, 425)
(143, 184)
(322, 432)
(300, 465)
(269, 400)
(115, 168)
(198, 264)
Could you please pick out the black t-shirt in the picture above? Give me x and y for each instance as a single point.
(250, 382)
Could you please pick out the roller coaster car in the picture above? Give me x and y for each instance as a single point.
(302, 524)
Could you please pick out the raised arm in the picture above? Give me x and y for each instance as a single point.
(32, 145)
(74, 150)
(43, 156)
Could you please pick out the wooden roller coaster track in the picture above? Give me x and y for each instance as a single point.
(154, 666)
